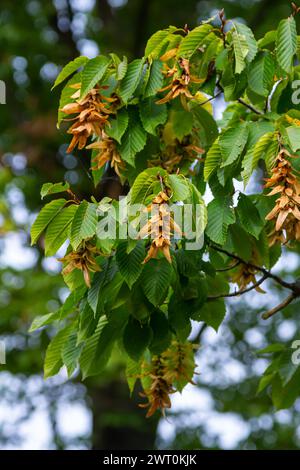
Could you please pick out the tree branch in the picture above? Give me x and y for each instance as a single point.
(240, 100)
(279, 307)
(239, 292)
(222, 270)
(199, 334)
(249, 106)
(212, 98)
(288, 285)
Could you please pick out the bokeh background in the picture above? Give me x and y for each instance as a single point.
(223, 411)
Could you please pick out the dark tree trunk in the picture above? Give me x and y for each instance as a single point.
(118, 422)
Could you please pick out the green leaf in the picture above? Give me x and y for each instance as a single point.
(286, 43)
(87, 322)
(261, 75)
(92, 73)
(264, 382)
(43, 219)
(131, 80)
(220, 216)
(232, 143)
(69, 69)
(199, 211)
(253, 156)
(182, 123)
(293, 134)
(241, 50)
(155, 80)
(50, 188)
(193, 40)
(269, 38)
(57, 232)
(155, 280)
(90, 350)
(152, 114)
(136, 338)
(154, 44)
(84, 223)
(71, 352)
(130, 263)
(179, 186)
(243, 30)
(117, 127)
(271, 153)
(286, 367)
(122, 68)
(212, 160)
(67, 308)
(179, 317)
(144, 183)
(206, 123)
(43, 320)
(239, 242)
(66, 96)
(133, 371)
(249, 216)
(213, 313)
(98, 347)
(134, 139)
(53, 360)
(161, 334)
(272, 348)
(96, 294)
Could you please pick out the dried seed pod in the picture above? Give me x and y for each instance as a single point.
(107, 153)
(160, 227)
(92, 114)
(286, 211)
(83, 259)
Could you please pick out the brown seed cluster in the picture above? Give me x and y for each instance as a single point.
(180, 75)
(92, 112)
(83, 259)
(168, 372)
(176, 154)
(107, 152)
(159, 227)
(158, 393)
(286, 210)
(245, 275)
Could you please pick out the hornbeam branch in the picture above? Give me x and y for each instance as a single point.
(293, 286)
(222, 270)
(279, 307)
(239, 292)
(287, 285)
(249, 106)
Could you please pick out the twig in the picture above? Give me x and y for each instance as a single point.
(293, 286)
(244, 103)
(222, 270)
(287, 285)
(249, 106)
(212, 98)
(239, 292)
(279, 307)
(199, 334)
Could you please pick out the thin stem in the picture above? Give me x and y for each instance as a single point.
(212, 98)
(279, 307)
(222, 270)
(249, 106)
(287, 285)
(239, 292)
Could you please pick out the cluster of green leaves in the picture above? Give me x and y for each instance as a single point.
(138, 308)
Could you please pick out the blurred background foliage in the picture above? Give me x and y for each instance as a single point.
(37, 38)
